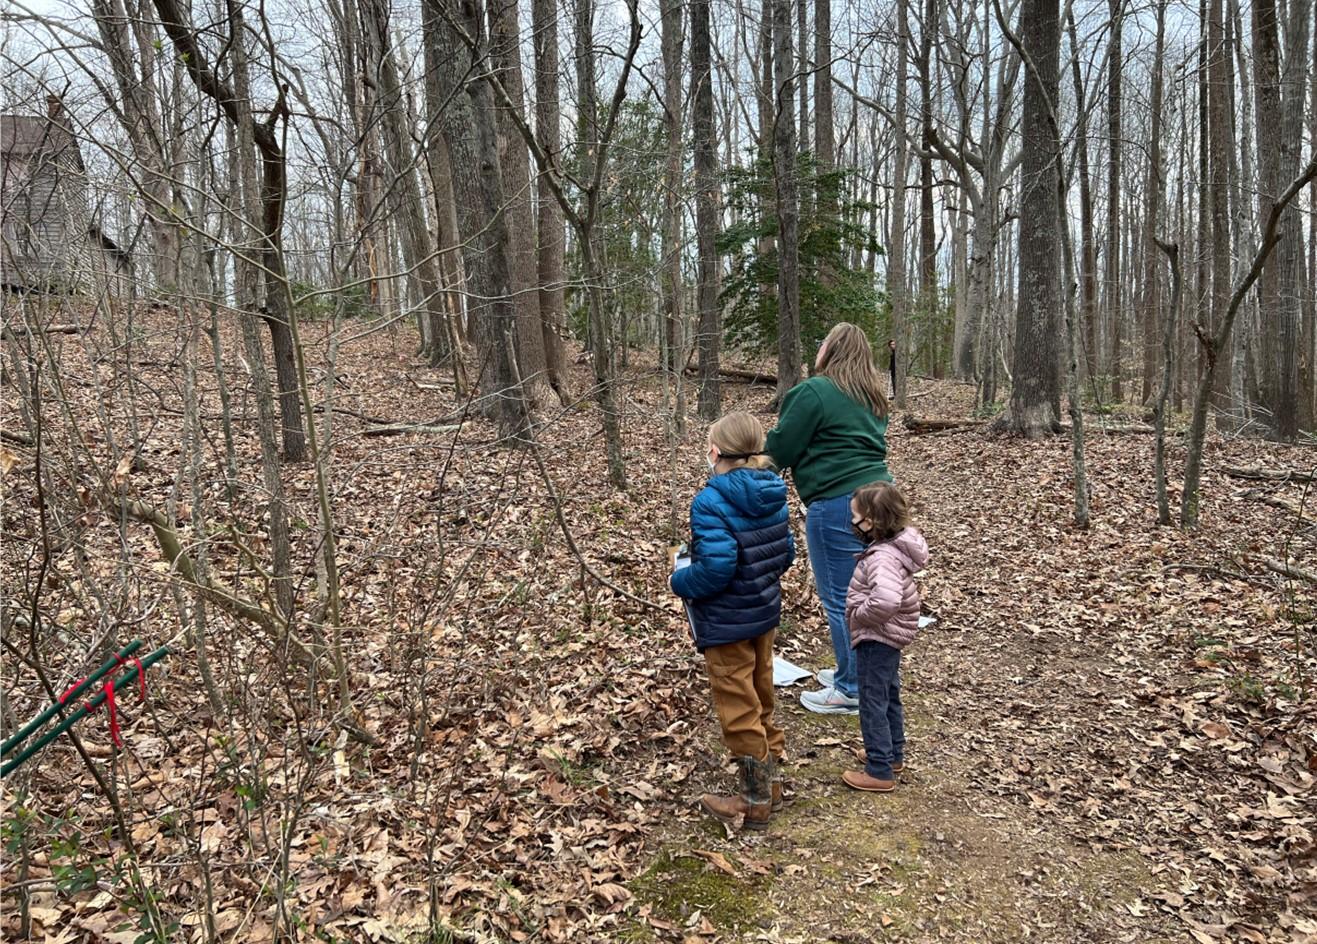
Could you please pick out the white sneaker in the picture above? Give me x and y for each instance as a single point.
(830, 701)
(826, 676)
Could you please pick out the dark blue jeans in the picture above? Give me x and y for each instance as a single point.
(833, 548)
(882, 722)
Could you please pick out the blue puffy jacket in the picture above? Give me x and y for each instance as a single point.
(740, 547)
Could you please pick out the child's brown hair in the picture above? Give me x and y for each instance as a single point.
(740, 440)
(885, 507)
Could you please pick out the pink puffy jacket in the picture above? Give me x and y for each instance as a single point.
(882, 604)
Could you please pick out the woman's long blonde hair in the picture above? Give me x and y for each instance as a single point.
(848, 362)
(740, 440)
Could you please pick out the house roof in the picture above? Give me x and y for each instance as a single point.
(108, 244)
(25, 135)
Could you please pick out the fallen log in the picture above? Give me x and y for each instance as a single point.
(741, 376)
(1275, 501)
(1133, 429)
(12, 332)
(320, 408)
(18, 439)
(916, 425)
(1258, 474)
(401, 429)
(1289, 570)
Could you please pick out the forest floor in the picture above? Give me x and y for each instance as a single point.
(1112, 732)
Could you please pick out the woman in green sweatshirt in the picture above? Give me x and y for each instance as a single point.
(832, 435)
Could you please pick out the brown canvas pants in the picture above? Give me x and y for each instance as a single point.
(741, 674)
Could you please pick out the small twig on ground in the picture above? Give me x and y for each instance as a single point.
(1210, 569)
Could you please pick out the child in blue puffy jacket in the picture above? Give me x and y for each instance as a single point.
(740, 547)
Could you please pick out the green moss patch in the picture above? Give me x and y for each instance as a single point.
(679, 884)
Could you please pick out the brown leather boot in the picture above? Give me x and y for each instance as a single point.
(778, 782)
(754, 804)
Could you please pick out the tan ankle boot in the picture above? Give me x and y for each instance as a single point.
(754, 804)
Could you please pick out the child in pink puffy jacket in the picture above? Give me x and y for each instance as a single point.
(882, 611)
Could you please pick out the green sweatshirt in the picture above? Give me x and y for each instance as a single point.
(831, 443)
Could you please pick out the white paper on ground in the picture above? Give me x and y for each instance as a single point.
(787, 673)
(926, 621)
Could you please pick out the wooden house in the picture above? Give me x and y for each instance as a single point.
(47, 239)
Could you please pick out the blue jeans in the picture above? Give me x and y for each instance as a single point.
(882, 721)
(833, 547)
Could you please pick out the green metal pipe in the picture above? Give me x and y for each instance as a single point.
(82, 711)
(53, 710)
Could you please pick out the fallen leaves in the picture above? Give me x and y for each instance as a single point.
(536, 733)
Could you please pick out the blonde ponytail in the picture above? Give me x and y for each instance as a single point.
(740, 440)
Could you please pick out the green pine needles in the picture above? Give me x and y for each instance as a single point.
(836, 250)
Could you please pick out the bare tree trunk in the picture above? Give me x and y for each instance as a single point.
(1215, 342)
(960, 278)
(1308, 380)
(138, 110)
(1280, 103)
(591, 161)
(404, 191)
(802, 69)
(788, 205)
(672, 41)
(825, 152)
(1087, 244)
(551, 232)
(928, 290)
(824, 146)
(1150, 302)
(1113, 285)
(1203, 240)
(463, 111)
(1035, 405)
(706, 210)
(236, 103)
(896, 258)
(1168, 336)
(523, 261)
(1079, 464)
(1220, 135)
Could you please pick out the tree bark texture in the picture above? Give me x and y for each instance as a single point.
(550, 228)
(788, 204)
(523, 254)
(464, 113)
(404, 189)
(706, 211)
(1280, 103)
(1114, 287)
(1035, 405)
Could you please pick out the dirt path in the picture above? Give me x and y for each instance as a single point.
(1069, 779)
